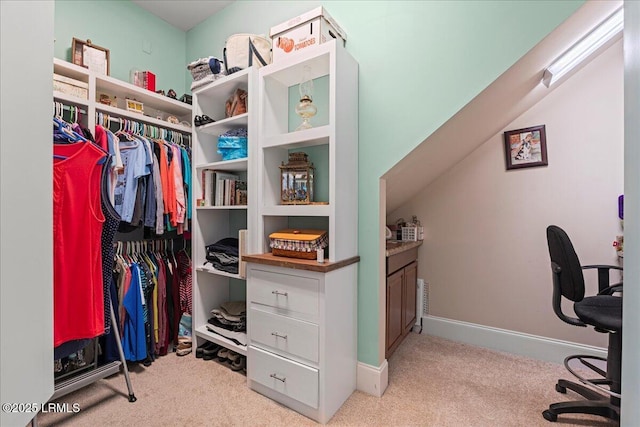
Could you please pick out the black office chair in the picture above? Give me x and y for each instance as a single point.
(602, 311)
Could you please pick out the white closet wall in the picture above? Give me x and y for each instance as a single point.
(26, 213)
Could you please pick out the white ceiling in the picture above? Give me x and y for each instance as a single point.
(184, 14)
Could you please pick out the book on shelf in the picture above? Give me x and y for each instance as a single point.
(223, 189)
(208, 177)
(241, 193)
(224, 183)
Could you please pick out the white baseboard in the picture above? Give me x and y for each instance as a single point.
(533, 346)
(372, 380)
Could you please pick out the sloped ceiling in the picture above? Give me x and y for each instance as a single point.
(513, 93)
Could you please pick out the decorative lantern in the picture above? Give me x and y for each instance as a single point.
(296, 178)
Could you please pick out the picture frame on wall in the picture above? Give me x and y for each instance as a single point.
(526, 148)
(91, 56)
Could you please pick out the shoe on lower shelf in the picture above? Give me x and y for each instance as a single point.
(206, 346)
(239, 364)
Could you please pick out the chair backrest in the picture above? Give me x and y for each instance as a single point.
(565, 265)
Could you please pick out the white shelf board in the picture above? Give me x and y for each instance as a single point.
(299, 139)
(212, 270)
(237, 165)
(211, 208)
(119, 112)
(111, 86)
(288, 70)
(297, 210)
(203, 332)
(224, 87)
(68, 69)
(70, 99)
(221, 126)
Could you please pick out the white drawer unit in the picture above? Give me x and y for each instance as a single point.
(284, 376)
(285, 334)
(293, 293)
(307, 365)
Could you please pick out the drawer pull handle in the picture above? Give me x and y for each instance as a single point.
(277, 335)
(284, 294)
(275, 377)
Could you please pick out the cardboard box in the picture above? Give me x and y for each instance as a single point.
(70, 86)
(304, 31)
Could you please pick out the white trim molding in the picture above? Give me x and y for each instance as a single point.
(373, 380)
(533, 346)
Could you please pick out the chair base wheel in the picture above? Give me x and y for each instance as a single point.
(549, 416)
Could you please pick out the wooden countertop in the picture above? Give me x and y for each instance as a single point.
(299, 264)
(396, 246)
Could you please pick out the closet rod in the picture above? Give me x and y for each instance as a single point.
(141, 127)
(68, 108)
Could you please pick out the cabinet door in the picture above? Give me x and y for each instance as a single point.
(410, 294)
(394, 309)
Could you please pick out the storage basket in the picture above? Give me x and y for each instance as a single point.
(412, 234)
(232, 147)
(294, 243)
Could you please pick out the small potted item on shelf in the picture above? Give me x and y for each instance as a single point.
(295, 243)
(296, 180)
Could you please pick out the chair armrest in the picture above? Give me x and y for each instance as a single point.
(599, 266)
(603, 274)
(611, 289)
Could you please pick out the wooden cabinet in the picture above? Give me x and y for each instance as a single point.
(402, 275)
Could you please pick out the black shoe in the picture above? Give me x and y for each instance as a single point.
(206, 346)
(197, 120)
(205, 120)
(239, 364)
(211, 353)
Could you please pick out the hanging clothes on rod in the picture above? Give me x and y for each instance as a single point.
(79, 305)
(154, 189)
(154, 291)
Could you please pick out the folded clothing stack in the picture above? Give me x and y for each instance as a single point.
(204, 70)
(230, 321)
(223, 255)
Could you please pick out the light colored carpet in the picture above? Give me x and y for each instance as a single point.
(432, 382)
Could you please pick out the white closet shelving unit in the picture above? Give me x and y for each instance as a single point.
(302, 314)
(212, 287)
(153, 104)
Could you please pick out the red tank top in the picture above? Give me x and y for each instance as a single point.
(78, 300)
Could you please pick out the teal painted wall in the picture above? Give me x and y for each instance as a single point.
(123, 27)
(420, 62)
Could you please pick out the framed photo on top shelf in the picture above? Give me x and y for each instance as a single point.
(525, 148)
(88, 55)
